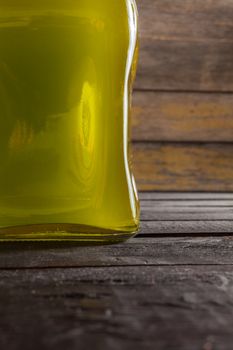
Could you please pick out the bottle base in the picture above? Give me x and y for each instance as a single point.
(66, 232)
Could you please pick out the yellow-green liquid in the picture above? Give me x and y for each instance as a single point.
(66, 70)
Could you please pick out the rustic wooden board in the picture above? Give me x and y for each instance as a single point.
(136, 252)
(186, 49)
(186, 46)
(187, 214)
(182, 117)
(181, 167)
(152, 196)
(164, 204)
(146, 307)
(193, 208)
(189, 227)
(185, 210)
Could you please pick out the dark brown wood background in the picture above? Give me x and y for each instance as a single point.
(182, 122)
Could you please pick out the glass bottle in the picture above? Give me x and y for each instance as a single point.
(66, 74)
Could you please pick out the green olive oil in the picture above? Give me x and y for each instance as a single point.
(66, 74)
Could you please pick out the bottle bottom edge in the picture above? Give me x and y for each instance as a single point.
(81, 234)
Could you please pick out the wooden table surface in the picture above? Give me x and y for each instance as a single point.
(169, 288)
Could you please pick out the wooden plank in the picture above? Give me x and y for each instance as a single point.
(186, 45)
(182, 117)
(187, 203)
(154, 211)
(117, 308)
(139, 251)
(180, 209)
(165, 228)
(185, 214)
(151, 196)
(185, 209)
(183, 167)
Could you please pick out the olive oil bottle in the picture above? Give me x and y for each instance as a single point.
(66, 74)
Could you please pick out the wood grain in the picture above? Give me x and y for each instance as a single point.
(187, 214)
(156, 212)
(208, 203)
(117, 308)
(182, 117)
(217, 210)
(154, 196)
(156, 251)
(186, 228)
(186, 46)
(183, 94)
(181, 167)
